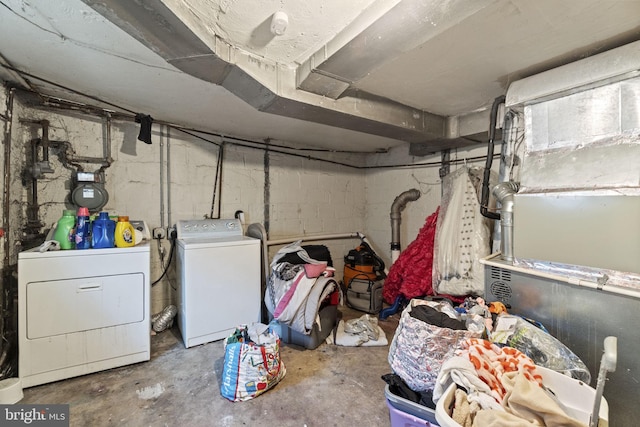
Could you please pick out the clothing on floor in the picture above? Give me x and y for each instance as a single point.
(437, 318)
(398, 387)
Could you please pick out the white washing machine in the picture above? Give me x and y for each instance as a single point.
(82, 311)
(219, 277)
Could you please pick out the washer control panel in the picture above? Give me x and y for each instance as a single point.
(208, 228)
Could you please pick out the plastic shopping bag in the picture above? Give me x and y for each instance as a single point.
(542, 347)
(252, 363)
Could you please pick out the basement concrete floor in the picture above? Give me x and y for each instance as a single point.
(328, 386)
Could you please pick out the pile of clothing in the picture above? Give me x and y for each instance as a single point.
(498, 386)
(298, 284)
(499, 381)
(428, 334)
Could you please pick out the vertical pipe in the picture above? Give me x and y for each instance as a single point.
(7, 180)
(162, 136)
(32, 206)
(267, 188)
(169, 223)
(445, 168)
(45, 142)
(220, 183)
(106, 147)
(396, 216)
(8, 320)
(504, 192)
(215, 181)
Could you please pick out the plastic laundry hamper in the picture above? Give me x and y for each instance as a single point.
(405, 413)
(576, 396)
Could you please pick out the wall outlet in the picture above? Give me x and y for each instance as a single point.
(158, 233)
(171, 233)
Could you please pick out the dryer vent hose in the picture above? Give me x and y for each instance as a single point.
(164, 319)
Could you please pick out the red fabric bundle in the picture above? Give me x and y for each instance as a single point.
(410, 275)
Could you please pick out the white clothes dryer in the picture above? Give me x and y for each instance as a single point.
(219, 279)
(82, 311)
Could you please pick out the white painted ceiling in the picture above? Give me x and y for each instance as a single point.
(360, 74)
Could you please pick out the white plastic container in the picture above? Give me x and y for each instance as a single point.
(10, 391)
(576, 396)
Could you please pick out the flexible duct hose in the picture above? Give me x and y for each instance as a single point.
(396, 208)
(164, 319)
(484, 199)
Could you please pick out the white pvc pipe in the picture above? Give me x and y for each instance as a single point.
(316, 237)
(558, 278)
(395, 254)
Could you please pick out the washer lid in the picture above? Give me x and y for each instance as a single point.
(199, 243)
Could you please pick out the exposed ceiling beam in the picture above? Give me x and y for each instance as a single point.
(273, 88)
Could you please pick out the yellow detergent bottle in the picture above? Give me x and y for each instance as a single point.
(125, 233)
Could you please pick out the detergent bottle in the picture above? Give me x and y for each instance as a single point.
(65, 229)
(103, 231)
(125, 233)
(83, 223)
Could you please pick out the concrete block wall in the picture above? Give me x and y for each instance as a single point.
(173, 179)
(318, 193)
(311, 198)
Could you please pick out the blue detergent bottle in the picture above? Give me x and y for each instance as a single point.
(83, 229)
(103, 231)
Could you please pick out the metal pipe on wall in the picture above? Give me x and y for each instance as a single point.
(217, 190)
(318, 237)
(267, 189)
(504, 194)
(169, 224)
(8, 320)
(45, 141)
(106, 147)
(33, 225)
(162, 180)
(396, 216)
(6, 227)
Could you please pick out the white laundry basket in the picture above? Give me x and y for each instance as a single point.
(576, 397)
